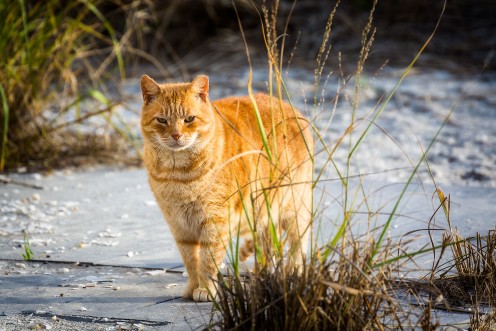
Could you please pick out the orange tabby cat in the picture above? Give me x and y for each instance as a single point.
(212, 177)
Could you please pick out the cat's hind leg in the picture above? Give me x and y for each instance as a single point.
(298, 237)
(297, 224)
(246, 250)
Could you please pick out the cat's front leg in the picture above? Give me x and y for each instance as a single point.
(189, 252)
(212, 251)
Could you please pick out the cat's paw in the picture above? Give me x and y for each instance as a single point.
(202, 294)
(188, 292)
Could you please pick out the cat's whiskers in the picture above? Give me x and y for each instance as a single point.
(158, 144)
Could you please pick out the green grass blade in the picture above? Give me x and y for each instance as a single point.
(3, 147)
(28, 254)
(100, 97)
(24, 21)
(260, 125)
(405, 73)
(111, 31)
(409, 181)
(406, 256)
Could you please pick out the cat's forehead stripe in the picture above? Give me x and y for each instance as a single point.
(175, 104)
(172, 104)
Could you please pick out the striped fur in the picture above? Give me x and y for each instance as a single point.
(212, 177)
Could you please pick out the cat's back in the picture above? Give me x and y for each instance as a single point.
(241, 107)
(235, 109)
(238, 114)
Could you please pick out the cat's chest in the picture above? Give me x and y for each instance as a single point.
(186, 199)
(188, 192)
(175, 191)
(186, 207)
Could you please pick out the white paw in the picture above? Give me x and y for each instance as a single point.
(188, 292)
(201, 294)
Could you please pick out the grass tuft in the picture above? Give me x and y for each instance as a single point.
(340, 292)
(28, 254)
(483, 321)
(47, 75)
(474, 260)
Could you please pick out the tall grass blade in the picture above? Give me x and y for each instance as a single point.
(250, 91)
(110, 29)
(395, 88)
(407, 184)
(3, 146)
(24, 21)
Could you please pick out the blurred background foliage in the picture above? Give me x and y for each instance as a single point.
(62, 62)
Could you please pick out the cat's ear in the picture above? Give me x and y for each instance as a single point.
(149, 89)
(199, 85)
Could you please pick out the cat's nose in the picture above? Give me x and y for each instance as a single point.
(176, 136)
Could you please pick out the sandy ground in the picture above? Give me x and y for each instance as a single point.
(38, 321)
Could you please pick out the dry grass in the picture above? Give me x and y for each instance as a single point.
(339, 292)
(483, 321)
(46, 73)
(466, 283)
(474, 263)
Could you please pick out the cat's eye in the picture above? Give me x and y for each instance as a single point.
(162, 120)
(189, 119)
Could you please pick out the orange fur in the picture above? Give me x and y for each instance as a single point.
(212, 177)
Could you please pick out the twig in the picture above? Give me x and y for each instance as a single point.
(84, 117)
(6, 180)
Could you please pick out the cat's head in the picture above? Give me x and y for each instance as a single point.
(176, 117)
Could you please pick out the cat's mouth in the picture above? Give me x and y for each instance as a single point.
(181, 144)
(173, 144)
(178, 145)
